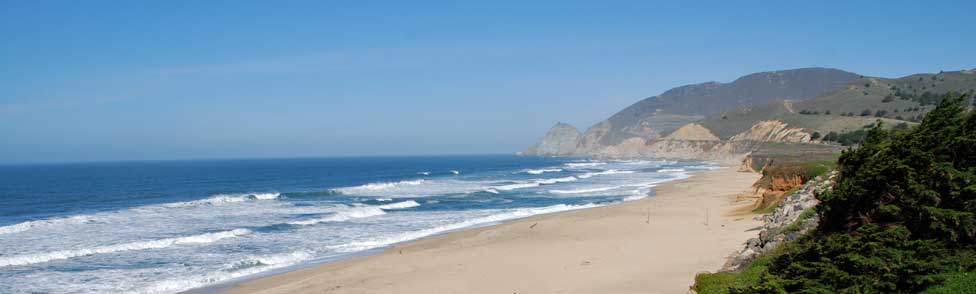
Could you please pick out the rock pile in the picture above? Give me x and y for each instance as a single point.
(791, 218)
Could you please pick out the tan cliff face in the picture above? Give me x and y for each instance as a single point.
(689, 141)
(694, 141)
(773, 131)
(692, 132)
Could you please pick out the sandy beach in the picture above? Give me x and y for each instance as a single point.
(652, 245)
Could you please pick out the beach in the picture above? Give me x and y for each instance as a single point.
(652, 245)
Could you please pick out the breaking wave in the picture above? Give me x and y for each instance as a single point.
(24, 226)
(400, 205)
(92, 218)
(584, 164)
(589, 190)
(532, 183)
(344, 215)
(237, 269)
(26, 259)
(225, 198)
(381, 186)
(544, 170)
(606, 172)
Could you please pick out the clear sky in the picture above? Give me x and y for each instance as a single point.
(117, 80)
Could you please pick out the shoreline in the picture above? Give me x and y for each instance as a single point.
(651, 245)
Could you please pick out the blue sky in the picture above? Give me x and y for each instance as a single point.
(96, 81)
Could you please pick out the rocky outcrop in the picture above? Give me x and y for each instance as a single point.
(792, 218)
(560, 140)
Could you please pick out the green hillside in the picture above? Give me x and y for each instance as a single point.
(860, 103)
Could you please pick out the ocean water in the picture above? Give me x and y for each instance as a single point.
(166, 227)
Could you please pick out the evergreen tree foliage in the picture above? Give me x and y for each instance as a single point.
(900, 219)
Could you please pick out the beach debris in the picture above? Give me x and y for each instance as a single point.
(533, 225)
(648, 221)
(706, 217)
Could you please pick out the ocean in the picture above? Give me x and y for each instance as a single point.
(171, 226)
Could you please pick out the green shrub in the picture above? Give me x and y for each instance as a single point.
(720, 282)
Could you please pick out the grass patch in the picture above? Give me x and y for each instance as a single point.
(765, 210)
(720, 282)
(807, 169)
(815, 169)
(964, 282)
(804, 216)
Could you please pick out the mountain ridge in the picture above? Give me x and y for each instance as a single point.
(793, 106)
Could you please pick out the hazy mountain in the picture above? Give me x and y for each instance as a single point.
(561, 139)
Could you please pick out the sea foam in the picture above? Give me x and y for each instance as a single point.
(504, 216)
(234, 270)
(533, 183)
(344, 215)
(24, 226)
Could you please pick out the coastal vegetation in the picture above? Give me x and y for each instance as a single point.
(901, 218)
